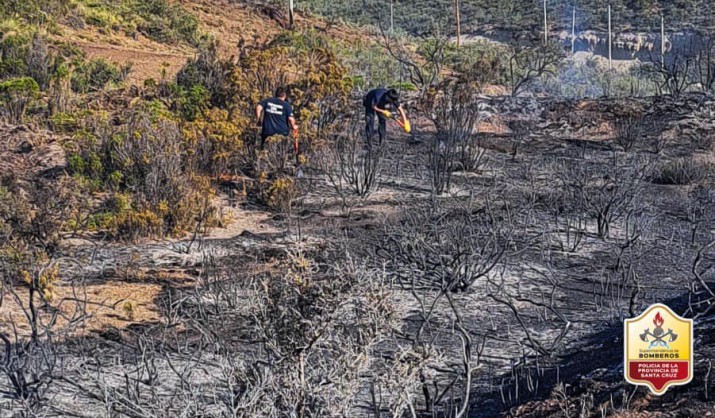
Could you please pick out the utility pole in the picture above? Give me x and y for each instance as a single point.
(662, 41)
(573, 32)
(610, 40)
(546, 26)
(459, 23)
(392, 16)
(290, 14)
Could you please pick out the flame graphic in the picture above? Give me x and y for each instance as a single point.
(658, 320)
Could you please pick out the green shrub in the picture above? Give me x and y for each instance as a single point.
(148, 166)
(370, 66)
(68, 122)
(165, 22)
(483, 62)
(193, 102)
(95, 75)
(14, 47)
(35, 11)
(96, 15)
(16, 95)
(206, 71)
(301, 40)
(76, 164)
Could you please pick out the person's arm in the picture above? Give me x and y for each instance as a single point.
(291, 119)
(374, 106)
(383, 111)
(259, 113)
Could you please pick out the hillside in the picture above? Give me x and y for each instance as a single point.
(485, 16)
(160, 258)
(156, 45)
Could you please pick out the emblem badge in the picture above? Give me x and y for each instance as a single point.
(658, 347)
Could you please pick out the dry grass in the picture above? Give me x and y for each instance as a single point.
(150, 59)
(105, 306)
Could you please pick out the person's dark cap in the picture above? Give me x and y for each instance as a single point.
(393, 95)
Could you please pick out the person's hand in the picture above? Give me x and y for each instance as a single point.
(295, 131)
(387, 114)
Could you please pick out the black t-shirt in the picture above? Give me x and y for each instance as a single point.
(275, 117)
(378, 97)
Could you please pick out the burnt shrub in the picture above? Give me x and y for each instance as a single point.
(629, 128)
(40, 62)
(681, 172)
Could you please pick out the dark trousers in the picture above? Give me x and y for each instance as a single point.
(370, 125)
(263, 140)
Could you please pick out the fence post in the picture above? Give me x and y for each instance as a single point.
(610, 40)
(392, 16)
(459, 23)
(662, 41)
(290, 14)
(573, 32)
(546, 26)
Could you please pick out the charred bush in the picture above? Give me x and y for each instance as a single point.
(681, 172)
(604, 191)
(455, 114)
(350, 167)
(449, 250)
(529, 63)
(628, 130)
(655, 128)
(39, 303)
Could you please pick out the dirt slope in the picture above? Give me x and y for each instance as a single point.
(230, 23)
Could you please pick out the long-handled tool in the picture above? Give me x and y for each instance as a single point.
(404, 123)
(296, 147)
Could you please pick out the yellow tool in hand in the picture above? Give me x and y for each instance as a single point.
(404, 124)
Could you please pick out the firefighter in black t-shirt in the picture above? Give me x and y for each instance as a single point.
(376, 103)
(275, 115)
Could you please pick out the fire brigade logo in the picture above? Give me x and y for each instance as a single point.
(658, 349)
(658, 336)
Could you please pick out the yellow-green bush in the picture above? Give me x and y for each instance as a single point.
(318, 84)
(16, 95)
(150, 166)
(216, 141)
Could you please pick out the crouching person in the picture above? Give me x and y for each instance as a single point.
(275, 116)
